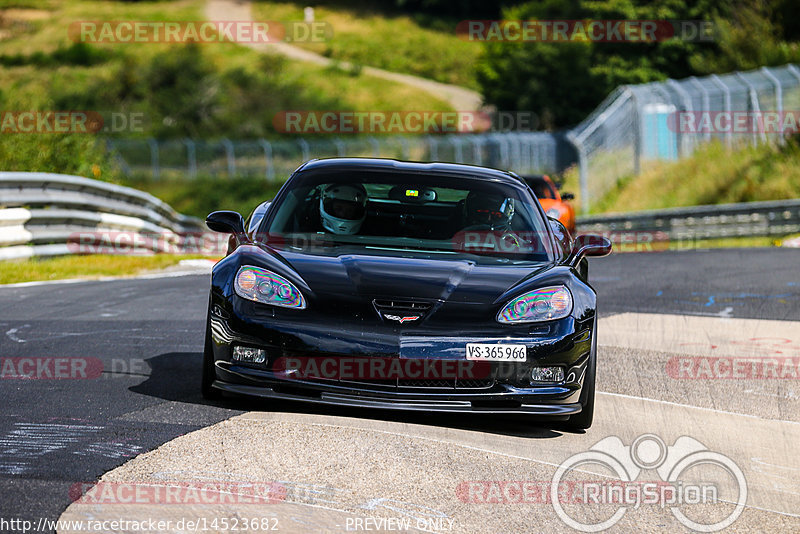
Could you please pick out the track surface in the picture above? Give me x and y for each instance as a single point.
(148, 336)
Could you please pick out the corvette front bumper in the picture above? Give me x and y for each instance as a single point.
(564, 343)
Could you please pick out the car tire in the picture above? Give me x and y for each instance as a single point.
(209, 370)
(583, 420)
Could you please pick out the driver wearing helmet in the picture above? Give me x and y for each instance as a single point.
(490, 212)
(343, 208)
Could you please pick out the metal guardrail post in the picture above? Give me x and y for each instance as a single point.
(268, 167)
(727, 99)
(778, 97)
(191, 157)
(153, 144)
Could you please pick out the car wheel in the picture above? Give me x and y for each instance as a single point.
(209, 372)
(583, 420)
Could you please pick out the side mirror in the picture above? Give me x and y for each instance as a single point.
(230, 222)
(567, 196)
(562, 235)
(589, 245)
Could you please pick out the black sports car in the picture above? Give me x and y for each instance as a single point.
(387, 284)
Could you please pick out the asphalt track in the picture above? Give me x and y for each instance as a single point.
(340, 464)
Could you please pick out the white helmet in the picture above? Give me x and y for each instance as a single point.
(343, 207)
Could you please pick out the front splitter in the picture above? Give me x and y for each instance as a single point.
(340, 399)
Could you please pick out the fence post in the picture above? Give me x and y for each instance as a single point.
(637, 134)
(583, 170)
(191, 157)
(340, 148)
(687, 105)
(477, 153)
(778, 97)
(269, 169)
(376, 148)
(727, 99)
(230, 156)
(433, 149)
(457, 153)
(706, 102)
(754, 107)
(405, 153)
(154, 158)
(526, 142)
(304, 149)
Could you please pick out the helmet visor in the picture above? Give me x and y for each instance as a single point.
(344, 209)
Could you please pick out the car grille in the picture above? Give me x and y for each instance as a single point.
(418, 384)
(475, 383)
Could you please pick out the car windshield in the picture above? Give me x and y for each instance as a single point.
(438, 214)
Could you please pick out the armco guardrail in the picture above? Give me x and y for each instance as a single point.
(772, 218)
(43, 214)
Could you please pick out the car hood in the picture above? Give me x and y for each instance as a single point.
(410, 276)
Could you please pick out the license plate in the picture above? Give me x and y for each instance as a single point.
(493, 352)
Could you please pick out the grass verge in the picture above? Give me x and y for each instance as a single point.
(714, 174)
(364, 34)
(87, 267)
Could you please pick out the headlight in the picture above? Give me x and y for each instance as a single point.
(555, 213)
(545, 304)
(261, 285)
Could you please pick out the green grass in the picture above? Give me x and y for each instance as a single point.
(714, 174)
(242, 89)
(31, 86)
(427, 47)
(89, 267)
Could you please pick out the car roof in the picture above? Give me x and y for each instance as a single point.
(450, 169)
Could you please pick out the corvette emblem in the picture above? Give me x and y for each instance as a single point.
(401, 319)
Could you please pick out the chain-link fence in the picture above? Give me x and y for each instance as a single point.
(525, 152)
(669, 120)
(635, 124)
